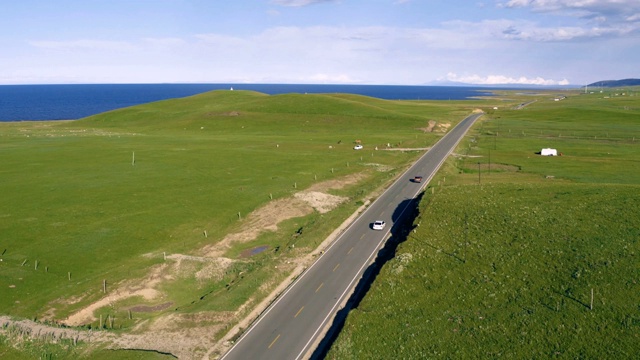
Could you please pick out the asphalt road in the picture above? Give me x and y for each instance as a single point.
(291, 326)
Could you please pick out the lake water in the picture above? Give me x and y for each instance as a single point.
(70, 102)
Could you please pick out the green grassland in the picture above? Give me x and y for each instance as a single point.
(103, 198)
(509, 246)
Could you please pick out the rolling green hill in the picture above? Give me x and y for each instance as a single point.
(616, 83)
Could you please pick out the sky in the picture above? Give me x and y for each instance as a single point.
(382, 42)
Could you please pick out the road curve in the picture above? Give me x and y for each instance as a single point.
(291, 325)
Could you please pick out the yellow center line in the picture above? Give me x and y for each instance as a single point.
(274, 341)
(299, 311)
(350, 250)
(334, 269)
(319, 287)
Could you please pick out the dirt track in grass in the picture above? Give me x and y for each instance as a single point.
(166, 333)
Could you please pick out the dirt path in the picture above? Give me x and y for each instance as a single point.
(226, 343)
(165, 333)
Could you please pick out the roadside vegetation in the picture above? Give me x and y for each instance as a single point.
(517, 255)
(140, 224)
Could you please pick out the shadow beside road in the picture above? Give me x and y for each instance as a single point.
(403, 219)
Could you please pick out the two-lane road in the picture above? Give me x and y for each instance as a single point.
(291, 325)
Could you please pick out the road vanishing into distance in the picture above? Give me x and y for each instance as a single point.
(292, 326)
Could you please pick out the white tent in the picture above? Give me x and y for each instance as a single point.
(549, 152)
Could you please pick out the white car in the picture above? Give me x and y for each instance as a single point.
(357, 147)
(378, 225)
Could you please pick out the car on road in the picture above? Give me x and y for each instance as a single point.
(378, 225)
(417, 179)
(357, 147)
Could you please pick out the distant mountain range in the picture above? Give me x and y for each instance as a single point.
(602, 83)
(616, 83)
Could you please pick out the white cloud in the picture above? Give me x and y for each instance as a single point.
(359, 54)
(633, 17)
(535, 33)
(600, 10)
(502, 80)
(593, 19)
(599, 5)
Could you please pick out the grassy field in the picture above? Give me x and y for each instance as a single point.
(515, 255)
(100, 201)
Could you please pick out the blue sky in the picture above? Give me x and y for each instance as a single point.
(403, 42)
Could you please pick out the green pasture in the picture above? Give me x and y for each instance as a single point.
(103, 198)
(507, 270)
(599, 139)
(509, 245)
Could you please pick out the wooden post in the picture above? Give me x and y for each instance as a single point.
(69, 276)
(205, 234)
(100, 321)
(133, 158)
(104, 286)
(129, 314)
(239, 217)
(591, 305)
(164, 255)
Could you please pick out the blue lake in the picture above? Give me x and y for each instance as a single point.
(70, 102)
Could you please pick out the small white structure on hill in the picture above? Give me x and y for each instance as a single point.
(549, 152)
